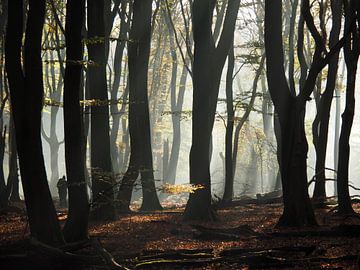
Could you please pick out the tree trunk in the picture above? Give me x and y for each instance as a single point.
(351, 53)
(139, 122)
(5, 188)
(13, 177)
(208, 64)
(321, 122)
(26, 102)
(291, 111)
(76, 225)
(115, 112)
(101, 167)
(3, 86)
(229, 170)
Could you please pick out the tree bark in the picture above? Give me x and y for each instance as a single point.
(208, 64)
(351, 53)
(117, 113)
(76, 225)
(26, 102)
(290, 110)
(13, 177)
(229, 170)
(321, 122)
(139, 122)
(101, 166)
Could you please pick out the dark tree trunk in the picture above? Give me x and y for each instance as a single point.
(5, 188)
(321, 122)
(351, 53)
(294, 6)
(101, 166)
(76, 225)
(229, 170)
(117, 113)
(297, 207)
(337, 131)
(291, 111)
(13, 177)
(3, 85)
(26, 102)
(208, 64)
(139, 122)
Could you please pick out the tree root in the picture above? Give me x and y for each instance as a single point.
(255, 258)
(43, 256)
(343, 230)
(240, 232)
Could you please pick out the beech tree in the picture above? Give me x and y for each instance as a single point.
(290, 110)
(139, 123)
(76, 226)
(101, 165)
(351, 53)
(209, 61)
(26, 89)
(321, 122)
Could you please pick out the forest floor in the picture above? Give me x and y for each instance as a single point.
(243, 237)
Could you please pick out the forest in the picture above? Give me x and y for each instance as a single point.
(179, 134)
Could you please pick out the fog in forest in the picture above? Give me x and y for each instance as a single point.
(246, 171)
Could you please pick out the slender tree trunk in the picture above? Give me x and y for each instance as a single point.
(351, 53)
(76, 225)
(294, 6)
(321, 122)
(117, 113)
(3, 86)
(229, 170)
(5, 189)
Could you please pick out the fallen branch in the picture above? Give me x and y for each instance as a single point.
(255, 260)
(290, 249)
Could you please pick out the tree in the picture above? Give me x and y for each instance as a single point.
(321, 123)
(13, 177)
(297, 206)
(3, 186)
(76, 225)
(229, 170)
(209, 61)
(290, 110)
(117, 113)
(139, 122)
(351, 53)
(26, 89)
(101, 166)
